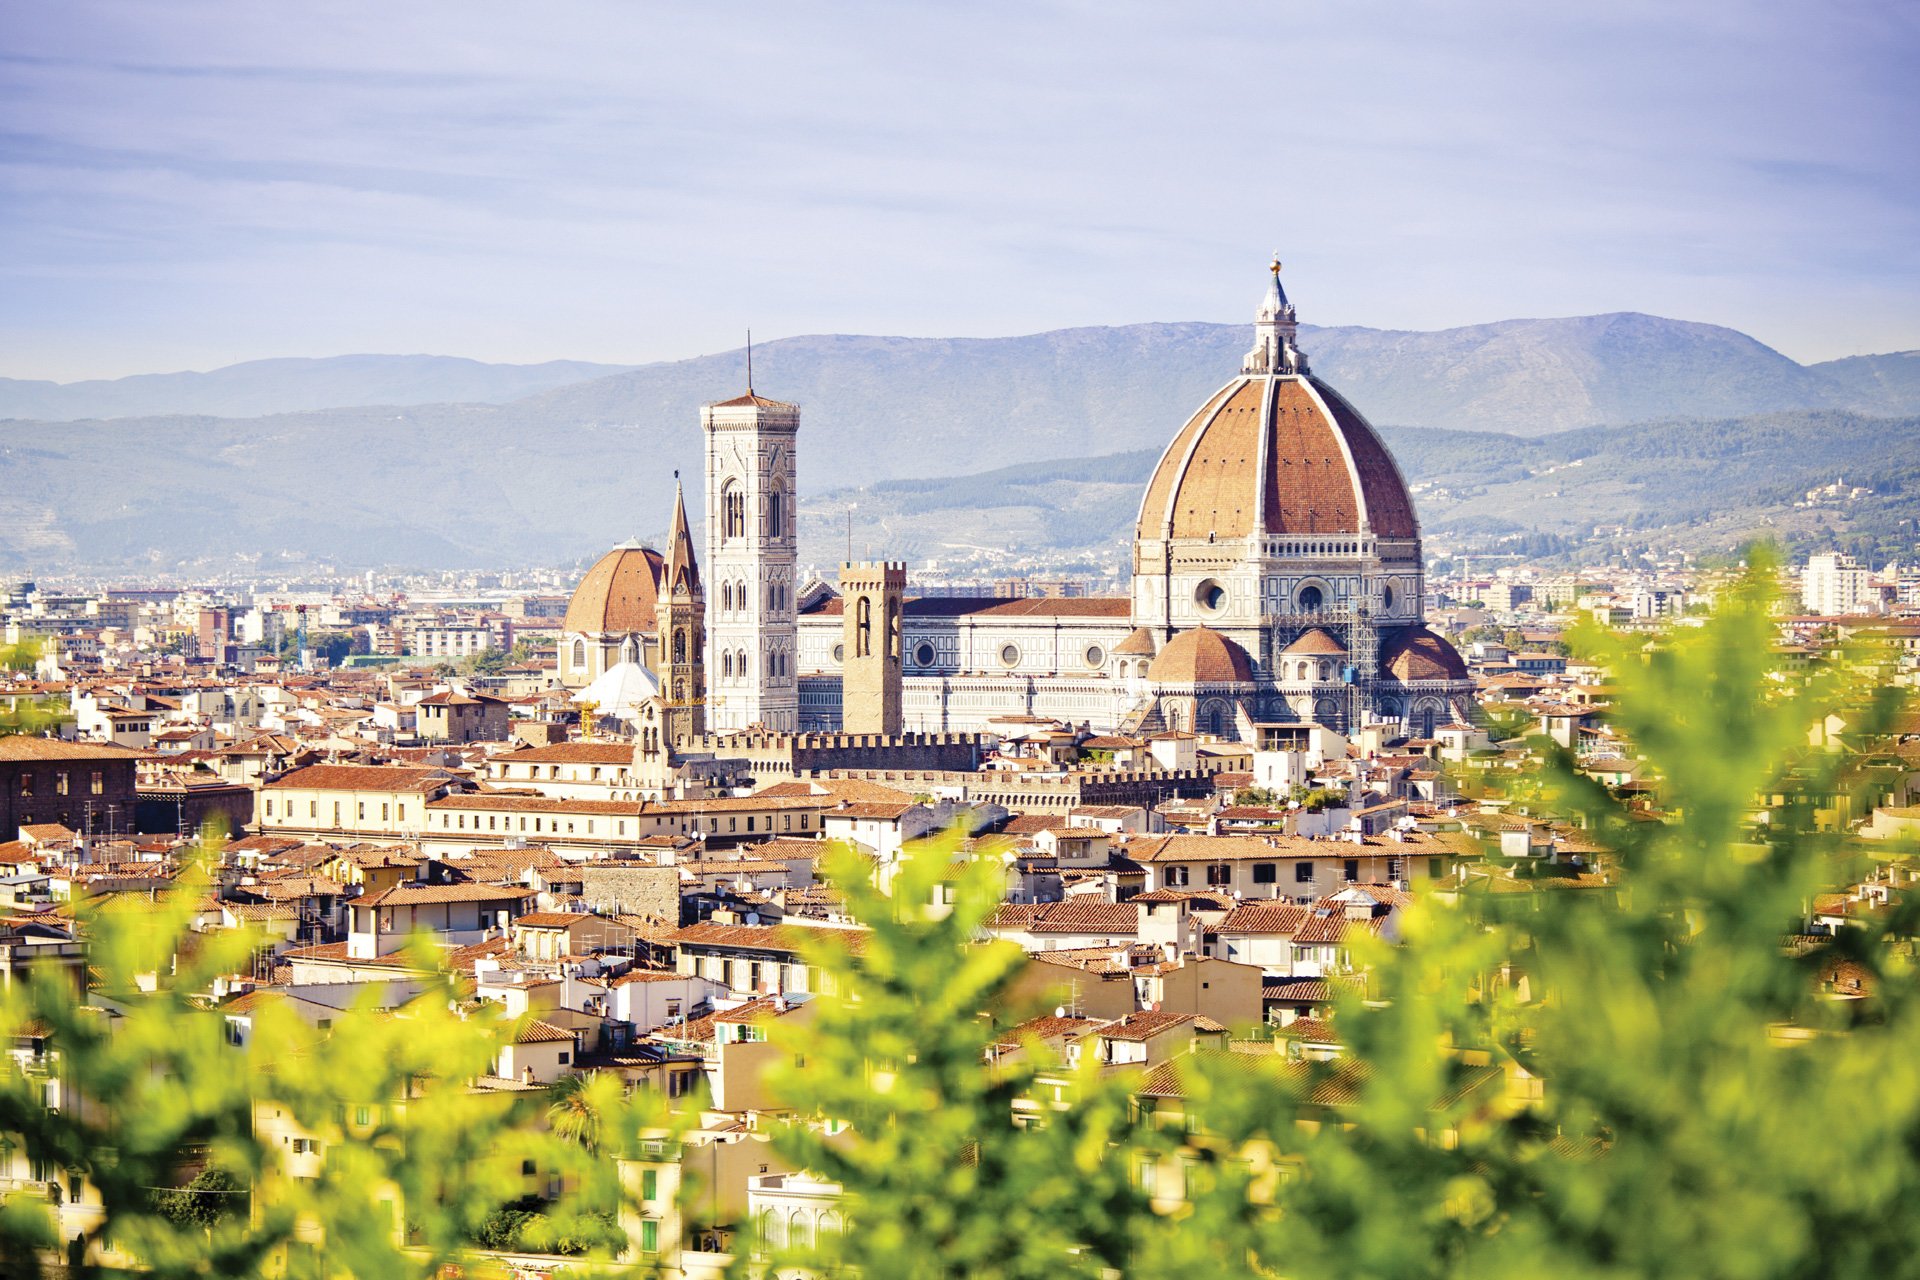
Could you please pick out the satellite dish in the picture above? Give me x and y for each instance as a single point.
(1059, 1011)
(753, 917)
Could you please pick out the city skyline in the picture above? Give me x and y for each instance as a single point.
(217, 183)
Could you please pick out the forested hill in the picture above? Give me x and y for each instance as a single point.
(1705, 485)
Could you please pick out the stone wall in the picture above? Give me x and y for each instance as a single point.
(653, 892)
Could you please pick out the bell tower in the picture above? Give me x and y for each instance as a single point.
(681, 628)
(752, 632)
(870, 674)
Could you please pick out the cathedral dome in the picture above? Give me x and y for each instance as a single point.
(1201, 656)
(1138, 644)
(1415, 653)
(619, 594)
(1276, 451)
(1281, 454)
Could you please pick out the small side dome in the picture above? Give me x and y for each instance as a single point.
(1201, 656)
(1414, 653)
(1139, 644)
(621, 593)
(1316, 642)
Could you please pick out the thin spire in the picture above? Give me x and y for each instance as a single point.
(682, 568)
(749, 362)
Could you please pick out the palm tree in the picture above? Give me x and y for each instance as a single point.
(574, 1112)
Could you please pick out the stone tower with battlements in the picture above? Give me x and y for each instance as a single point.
(872, 596)
(751, 624)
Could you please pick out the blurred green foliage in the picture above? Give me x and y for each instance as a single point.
(28, 714)
(1624, 1075)
(154, 1108)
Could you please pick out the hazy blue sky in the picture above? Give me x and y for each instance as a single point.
(188, 184)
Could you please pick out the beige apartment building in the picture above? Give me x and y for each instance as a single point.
(348, 801)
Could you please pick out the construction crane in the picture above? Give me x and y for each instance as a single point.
(587, 710)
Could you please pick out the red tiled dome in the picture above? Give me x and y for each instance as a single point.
(1278, 454)
(1415, 653)
(1314, 641)
(1201, 656)
(619, 594)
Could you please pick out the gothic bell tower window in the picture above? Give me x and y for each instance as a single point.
(733, 511)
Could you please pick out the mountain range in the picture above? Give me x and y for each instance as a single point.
(432, 461)
(290, 385)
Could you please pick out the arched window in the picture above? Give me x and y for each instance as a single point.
(1326, 671)
(799, 1229)
(733, 511)
(679, 645)
(776, 512)
(863, 628)
(893, 630)
(726, 665)
(726, 597)
(1311, 597)
(579, 655)
(740, 664)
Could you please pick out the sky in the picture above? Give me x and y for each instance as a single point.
(200, 182)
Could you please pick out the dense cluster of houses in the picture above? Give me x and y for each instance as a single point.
(1216, 903)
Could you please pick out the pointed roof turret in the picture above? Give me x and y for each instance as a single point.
(683, 571)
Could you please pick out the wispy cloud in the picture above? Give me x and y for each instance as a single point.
(214, 180)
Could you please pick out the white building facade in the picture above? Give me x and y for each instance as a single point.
(1836, 585)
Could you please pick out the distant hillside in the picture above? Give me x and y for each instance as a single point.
(288, 386)
(1130, 384)
(1877, 384)
(575, 467)
(1532, 377)
(1703, 485)
(454, 486)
